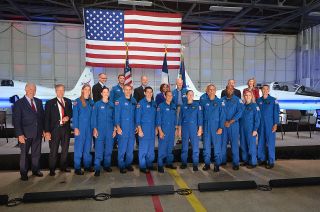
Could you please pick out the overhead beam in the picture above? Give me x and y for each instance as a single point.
(15, 6)
(99, 3)
(76, 11)
(301, 11)
(231, 3)
(189, 12)
(57, 3)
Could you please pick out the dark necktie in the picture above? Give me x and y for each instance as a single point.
(33, 107)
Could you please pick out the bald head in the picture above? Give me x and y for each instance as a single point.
(144, 81)
(179, 83)
(30, 89)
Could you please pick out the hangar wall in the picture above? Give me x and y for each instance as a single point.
(48, 54)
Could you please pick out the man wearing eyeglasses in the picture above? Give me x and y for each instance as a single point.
(97, 88)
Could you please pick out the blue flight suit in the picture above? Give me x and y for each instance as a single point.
(115, 93)
(146, 119)
(233, 109)
(190, 119)
(81, 119)
(213, 119)
(125, 118)
(249, 122)
(269, 108)
(103, 120)
(166, 119)
(175, 94)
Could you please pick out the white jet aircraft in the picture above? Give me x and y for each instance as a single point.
(289, 96)
(12, 89)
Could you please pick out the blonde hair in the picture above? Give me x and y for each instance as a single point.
(82, 99)
(254, 81)
(253, 99)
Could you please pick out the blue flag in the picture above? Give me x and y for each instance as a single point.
(165, 73)
(182, 73)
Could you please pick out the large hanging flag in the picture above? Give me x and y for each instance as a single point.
(107, 31)
(165, 73)
(127, 70)
(182, 72)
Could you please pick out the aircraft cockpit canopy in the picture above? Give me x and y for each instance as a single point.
(7, 83)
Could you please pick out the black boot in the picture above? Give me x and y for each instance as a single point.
(206, 167)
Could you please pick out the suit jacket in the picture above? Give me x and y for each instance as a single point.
(26, 121)
(236, 93)
(96, 92)
(138, 93)
(52, 114)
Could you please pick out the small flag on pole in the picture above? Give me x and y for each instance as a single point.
(127, 69)
(165, 73)
(182, 72)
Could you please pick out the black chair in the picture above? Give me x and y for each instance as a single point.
(3, 123)
(295, 116)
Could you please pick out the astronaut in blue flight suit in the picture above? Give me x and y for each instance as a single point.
(102, 121)
(125, 108)
(117, 90)
(190, 126)
(166, 123)
(179, 94)
(146, 125)
(81, 122)
(249, 124)
(269, 108)
(233, 109)
(213, 124)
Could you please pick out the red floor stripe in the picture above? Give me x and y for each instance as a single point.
(155, 198)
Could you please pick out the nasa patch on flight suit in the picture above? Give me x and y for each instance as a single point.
(102, 107)
(258, 109)
(167, 109)
(241, 102)
(138, 105)
(200, 107)
(222, 103)
(116, 102)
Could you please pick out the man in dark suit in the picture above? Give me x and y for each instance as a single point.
(58, 112)
(236, 92)
(97, 88)
(138, 92)
(28, 124)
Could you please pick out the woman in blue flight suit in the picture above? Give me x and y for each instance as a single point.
(249, 124)
(81, 122)
(104, 131)
(166, 123)
(190, 126)
(146, 124)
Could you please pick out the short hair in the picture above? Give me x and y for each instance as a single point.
(162, 85)
(105, 88)
(120, 75)
(189, 91)
(167, 92)
(210, 85)
(266, 85)
(101, 74)
(58, 86)
(28, 84)
(148, 88)
(127, 85)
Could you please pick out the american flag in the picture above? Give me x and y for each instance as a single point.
(147, 35)
(127, 71)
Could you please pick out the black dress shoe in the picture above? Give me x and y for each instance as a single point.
(261, 163)
(195, 168)
(216, 168)
(123, 171)
(65, 170)
(91, 169)
(183, 166)
(130, 168)
(171, 166)
(152, 168)
(223, 164)
(160, 169)
(251, 166)
(243, 164)
(24, 177)
(206, 167)
(78, 172)
(37, 174)
(236, 168)
(144, 171)
(97, 173)
(107, 169)
(269, 166)
(52, 173)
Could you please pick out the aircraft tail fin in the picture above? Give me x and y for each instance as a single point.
(189, 83)
(85, 78)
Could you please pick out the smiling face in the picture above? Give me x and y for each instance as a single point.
(105, 93)
(148, 93)
(265, 90)
(144, 80)
(248, 97)
(121, 80)
(103, 78)
(211, 91)
(60, 91)
(31, 90)
(127, 91)
(169, 96)
(86, 92)
(190, 96)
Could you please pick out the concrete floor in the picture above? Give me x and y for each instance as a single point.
(280, 199)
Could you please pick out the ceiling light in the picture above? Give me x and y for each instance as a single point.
(135, 2)
(225, 9)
